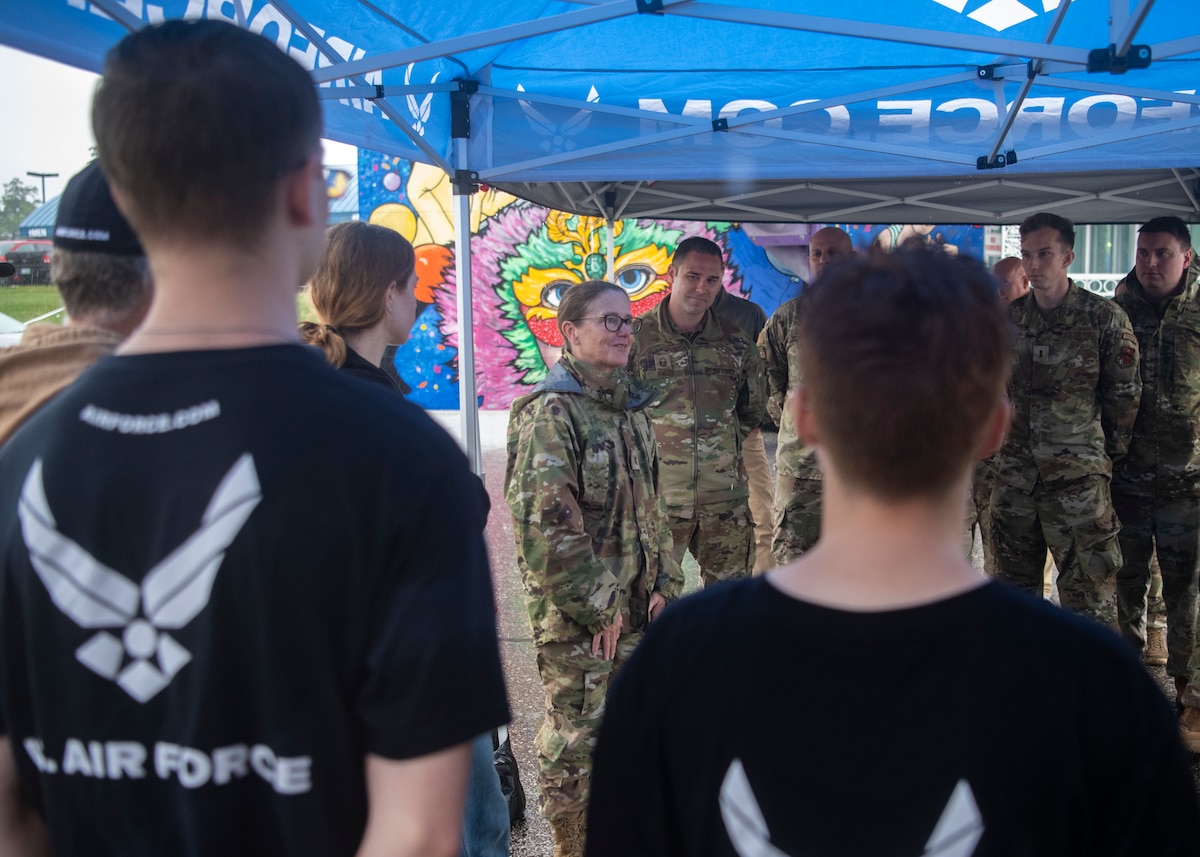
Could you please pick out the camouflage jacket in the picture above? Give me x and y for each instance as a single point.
(582, 483)
(1074, 389)
(781, 359)
(1164, 454)
(711, 395)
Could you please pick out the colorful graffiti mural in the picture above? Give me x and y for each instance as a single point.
(523, 257)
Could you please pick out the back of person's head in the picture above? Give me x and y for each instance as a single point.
(1043, 220)
(97, 262)
(695, 244)
(577, 301)
(1169, 225)
(905, 359)
(196, 123)
(349, 290)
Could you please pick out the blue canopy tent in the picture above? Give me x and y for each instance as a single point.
(972, 111)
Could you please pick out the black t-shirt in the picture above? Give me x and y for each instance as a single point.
(986, 724)
(225, 578)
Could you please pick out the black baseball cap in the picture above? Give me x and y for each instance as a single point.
(88, 218)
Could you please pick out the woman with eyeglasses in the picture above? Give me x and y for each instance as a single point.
(593, 543)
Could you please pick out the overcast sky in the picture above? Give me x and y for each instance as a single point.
(45, 128)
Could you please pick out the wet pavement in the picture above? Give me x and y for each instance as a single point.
(531, 837)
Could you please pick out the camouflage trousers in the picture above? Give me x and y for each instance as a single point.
(576, 684)
(979, 512)
(797, 517)
(1170, 531)
(758, 470)
(722, 542)
(1077, 523)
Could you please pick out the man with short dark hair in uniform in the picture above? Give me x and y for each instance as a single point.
(237, 616)
(1156, 486)
(1075, 390)
(708, 374)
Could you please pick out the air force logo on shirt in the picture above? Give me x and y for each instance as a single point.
(956, 833)
(145, 658)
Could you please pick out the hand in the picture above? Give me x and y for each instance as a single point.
(657, 603)
(604, 644)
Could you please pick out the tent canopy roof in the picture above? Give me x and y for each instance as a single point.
(947, 110)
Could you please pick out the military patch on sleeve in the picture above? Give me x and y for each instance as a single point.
(662, 361)
(1126, 357)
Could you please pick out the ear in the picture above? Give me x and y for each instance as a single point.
(670, 278)
(1187, 258)
(570, 332)
(303, 206)
(802, 415)
(997, 427)
(1070, 257)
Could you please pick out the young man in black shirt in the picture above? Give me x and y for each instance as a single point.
(244, 602)
(960, 717)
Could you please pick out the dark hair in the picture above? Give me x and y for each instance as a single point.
(103, 286)
(196, 122)
(359, 262)
(695, 244)
(1044, 219)
(1172, 226)
(904, 357)
(577, 301)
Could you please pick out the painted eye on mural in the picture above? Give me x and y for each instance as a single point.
(552, 294)
(634, 278)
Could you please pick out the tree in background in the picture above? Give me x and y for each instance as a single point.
(16, 203)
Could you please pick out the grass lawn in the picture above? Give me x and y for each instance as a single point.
(26, 302)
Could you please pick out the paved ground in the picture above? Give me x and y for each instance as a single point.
(531, 838)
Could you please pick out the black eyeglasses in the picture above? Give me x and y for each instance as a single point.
(612, 323)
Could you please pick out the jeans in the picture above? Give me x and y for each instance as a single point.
(485, 820)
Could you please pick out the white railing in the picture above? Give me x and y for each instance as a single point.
(1101, 284)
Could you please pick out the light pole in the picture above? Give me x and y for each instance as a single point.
(43, 177)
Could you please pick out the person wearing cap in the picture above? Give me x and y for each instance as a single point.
(104, 280)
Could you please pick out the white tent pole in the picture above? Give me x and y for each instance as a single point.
(119, 13)
(1132, 25)
(467, 405)
(610, 253)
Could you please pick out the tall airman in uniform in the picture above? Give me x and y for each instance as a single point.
(797, 476)
(1075, 389)
(709, 379)
(1156, 486)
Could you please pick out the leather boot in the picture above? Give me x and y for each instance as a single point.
(1189, 728)
(570, 833)
(1155, 653)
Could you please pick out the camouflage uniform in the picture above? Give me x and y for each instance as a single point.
(1156, 487)
(711, 396)
(798, 478)
(1074, 390)
(979, 512)
(750, 317)
(592, 540)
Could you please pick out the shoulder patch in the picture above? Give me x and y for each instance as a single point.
(1127, 356)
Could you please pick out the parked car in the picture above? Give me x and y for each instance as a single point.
(31, 258)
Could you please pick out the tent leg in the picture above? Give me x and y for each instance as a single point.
(467, 402)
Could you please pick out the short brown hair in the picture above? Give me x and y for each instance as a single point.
(358, 264)
(1044, 220)
(577, 300)
(905, 357)
(196, 122)
(696, 244)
